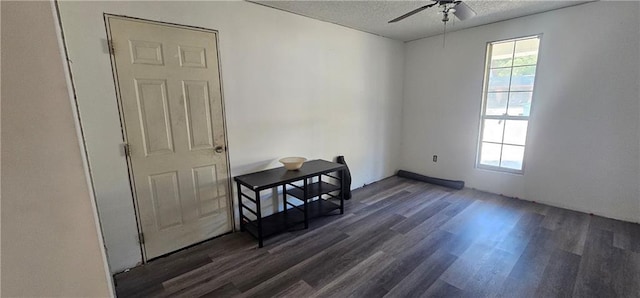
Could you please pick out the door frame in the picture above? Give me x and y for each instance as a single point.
(114, 71)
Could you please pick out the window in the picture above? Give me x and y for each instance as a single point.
(506, 103)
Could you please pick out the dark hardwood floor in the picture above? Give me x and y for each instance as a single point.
(403, 238)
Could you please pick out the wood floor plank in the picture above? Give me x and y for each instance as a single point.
(413, 202)
(382, 219)
(626, 236)
(570, 230)
(378, 187)
(227, 264)
(407, 260)
(327, 265)
(469, 218)
(430, 225)
(285, 260)
(420, 279)
(421, 216)
(466, 265)
(527, 273)
(405, 242)
(301, 240)
(340, 259)
(459, 244)
(518, 238)
(627, 281)
(228, 290)
(606, 270)
(420, 201)
(442, 289)
(595, 276)
(148, 284)
(405, 238)
(357, 277)
(203, 279)
(491, 275)
(298, 289)
(560, 275)
(384, 202)
(381, 195)
(332, 261)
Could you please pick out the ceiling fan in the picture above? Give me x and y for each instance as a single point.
(456, 7)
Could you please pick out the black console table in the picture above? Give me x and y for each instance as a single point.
(326, 190)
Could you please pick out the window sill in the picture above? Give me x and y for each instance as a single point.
(500, 170)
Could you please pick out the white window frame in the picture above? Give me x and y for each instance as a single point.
(483, 116)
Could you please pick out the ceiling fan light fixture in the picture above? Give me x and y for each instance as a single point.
(463, 11)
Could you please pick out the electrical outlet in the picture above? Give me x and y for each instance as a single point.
(435, 158)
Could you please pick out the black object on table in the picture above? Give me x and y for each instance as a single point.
(346, 186)
(320, 169)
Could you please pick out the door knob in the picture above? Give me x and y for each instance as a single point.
(219, 149)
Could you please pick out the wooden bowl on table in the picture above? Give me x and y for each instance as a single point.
(293, 163)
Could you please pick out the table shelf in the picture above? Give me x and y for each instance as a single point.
(293, 218)
(313, 189)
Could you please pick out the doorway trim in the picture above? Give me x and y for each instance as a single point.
(77, 121)
(107, 17)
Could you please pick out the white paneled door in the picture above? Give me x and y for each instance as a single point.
(169, 88)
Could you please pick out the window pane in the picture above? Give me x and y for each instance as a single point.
(499, 79)
(512, 157)
(526, 52)
(490, 154)
(519, 103)
(496, 103)
(501, 54)
(522, 78)
(492, 131)
(509, 82)
(515, 132)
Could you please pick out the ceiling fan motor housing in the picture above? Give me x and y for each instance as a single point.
(456, 7)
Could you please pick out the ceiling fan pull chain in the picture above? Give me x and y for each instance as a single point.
(444, 35)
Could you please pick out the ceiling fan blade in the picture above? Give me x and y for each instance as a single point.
(463, 11)
(408, 14)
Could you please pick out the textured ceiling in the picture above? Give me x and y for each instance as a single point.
(372, 16)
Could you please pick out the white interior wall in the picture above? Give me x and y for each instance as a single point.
(292, 86)
(50, 236)
(583, 140)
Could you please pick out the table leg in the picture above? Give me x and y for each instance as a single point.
(343, 187)
(284, 204)
(320, 192)
(259, 217)
(238, 190)
(305, 199)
